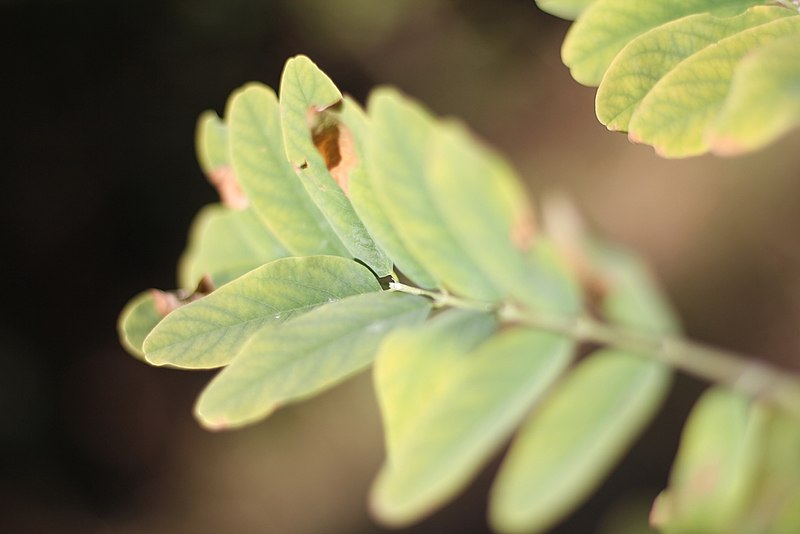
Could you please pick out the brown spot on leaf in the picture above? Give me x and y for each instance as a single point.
(334, 142)
(227, 185)
(327, 142)
(168, 301)
(523, 230)
(348, 160)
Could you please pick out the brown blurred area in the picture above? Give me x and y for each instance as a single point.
(100, 183)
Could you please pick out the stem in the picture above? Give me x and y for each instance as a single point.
(744, 374)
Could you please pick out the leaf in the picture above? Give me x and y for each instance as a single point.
(566, 9)
(775, 497)
(552, 277)
(764, 100)
(137, 319)
(224, 244)
(269, 180)
(299, 358)
(676, 114)
(442, 430)
(211, 142)
(485, 209)
(306, 94)
(574, 439)
(402, 133)
(211, 145)
(412, 362)
(606, 26)
(367, 207)
(713, 473)
(632, 297)
(646, 59)
(209, 332)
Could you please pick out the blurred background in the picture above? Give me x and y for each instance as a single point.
(99, 106)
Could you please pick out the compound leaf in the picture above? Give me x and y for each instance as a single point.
(467, 405)
(646, 59)
(269, 180)
(606, 26)
(208, 333)
(582, 429)
(308, 99)
(299, 358)
(682, 106)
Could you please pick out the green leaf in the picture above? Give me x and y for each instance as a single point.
(225, 244)
(606, 26)
(553, 278)
(442, 430)
(138, 318)
(269, 180)
(632, 298)
(646, 59)
(301, 357)
(677, 113)
(566, 9)
(209, 332)
(211, 142)
(366, 204)
(413, 361)
(574, 439)
(306, 96)
(714, 471)
(775, 498)
(398, 151)
(498, 232)
(764, 100)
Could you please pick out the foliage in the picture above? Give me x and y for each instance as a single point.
(349, 236)
(691, 76)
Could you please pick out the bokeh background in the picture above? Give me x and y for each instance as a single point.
(100, 183)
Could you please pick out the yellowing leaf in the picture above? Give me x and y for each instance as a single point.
(764, 100)
(646, 59)
(676, 114)
(606, 26)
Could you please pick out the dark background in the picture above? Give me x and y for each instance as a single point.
(99, 105)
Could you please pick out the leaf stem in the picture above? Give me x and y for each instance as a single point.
(745, 374)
